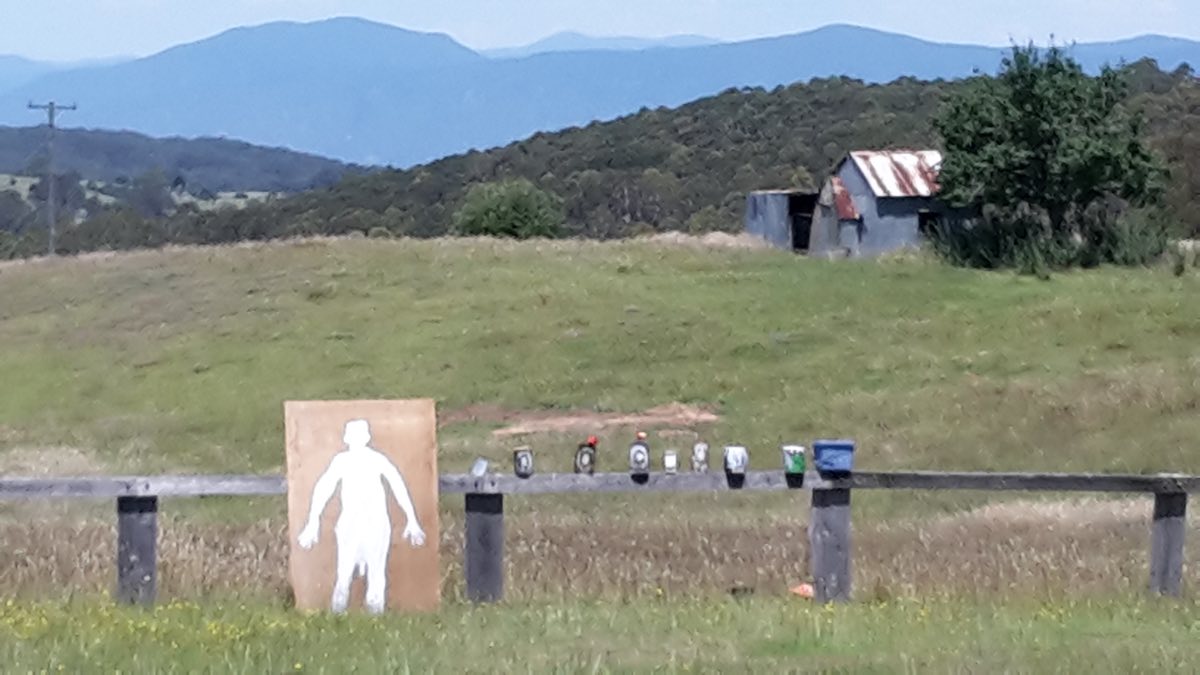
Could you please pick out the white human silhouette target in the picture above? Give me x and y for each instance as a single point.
(347, 504)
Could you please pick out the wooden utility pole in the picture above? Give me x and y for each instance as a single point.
(52, 109)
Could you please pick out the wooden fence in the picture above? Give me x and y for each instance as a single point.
(829, 520)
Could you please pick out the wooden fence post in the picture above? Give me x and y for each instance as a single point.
(829, 545)
(1166, 543)
(137, 534)
(484, 565)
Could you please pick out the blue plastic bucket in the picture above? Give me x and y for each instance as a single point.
(833, 456)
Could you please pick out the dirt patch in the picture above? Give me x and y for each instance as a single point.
(520, 422)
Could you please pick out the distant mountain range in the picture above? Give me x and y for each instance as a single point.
(569, 41)
(376, 94)
(16, 71)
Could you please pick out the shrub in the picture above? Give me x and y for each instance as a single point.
(515, 208)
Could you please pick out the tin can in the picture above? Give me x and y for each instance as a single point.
(639, 458)
(737, 458)
(479, 468)
(523, 462)
(671, 462)
(700, 457)
(794, 460)
(585, 459)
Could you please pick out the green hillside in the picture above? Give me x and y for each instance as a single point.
(180, 360)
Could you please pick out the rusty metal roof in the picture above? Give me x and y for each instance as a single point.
(899, 173)
(841, 200)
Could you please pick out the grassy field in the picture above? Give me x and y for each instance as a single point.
(180, 360)
(757, 635)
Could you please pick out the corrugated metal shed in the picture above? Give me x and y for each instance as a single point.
(899, 173)
(780, 217)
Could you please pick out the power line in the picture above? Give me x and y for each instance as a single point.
(52, 109)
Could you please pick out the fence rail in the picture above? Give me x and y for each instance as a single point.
(829, 521)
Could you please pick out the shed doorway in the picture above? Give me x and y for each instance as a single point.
(801, 208)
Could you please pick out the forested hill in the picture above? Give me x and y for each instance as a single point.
(689, 168)
(665, 169)
(200, 165)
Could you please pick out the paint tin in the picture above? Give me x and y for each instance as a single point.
(639, 458)
(700, 457)
(793, 459)
(523, 462)
(737, 458)
(671, 462)
(585, 460)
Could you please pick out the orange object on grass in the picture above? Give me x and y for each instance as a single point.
(803, 590)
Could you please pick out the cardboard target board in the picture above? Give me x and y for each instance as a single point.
(362, 504)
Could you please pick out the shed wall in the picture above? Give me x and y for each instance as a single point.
(887, 224)
(768, 217)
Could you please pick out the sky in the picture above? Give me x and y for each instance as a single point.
(62, 30)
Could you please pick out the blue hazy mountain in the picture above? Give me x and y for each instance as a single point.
(569, 41)
(376, 94)
(16, 71)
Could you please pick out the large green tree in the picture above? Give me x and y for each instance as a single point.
(1050, 159)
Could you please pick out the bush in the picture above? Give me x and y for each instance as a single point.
(1052, 160)
(25, 245)
(116, 230)
(1023, 238)
(515, 208)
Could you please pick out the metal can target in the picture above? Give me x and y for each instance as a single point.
(794, 460)
(737, 458)
(639, 458)
(523, 462)
(671, 461)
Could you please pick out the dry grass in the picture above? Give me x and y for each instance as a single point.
(1016, 549)
(712, 240)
